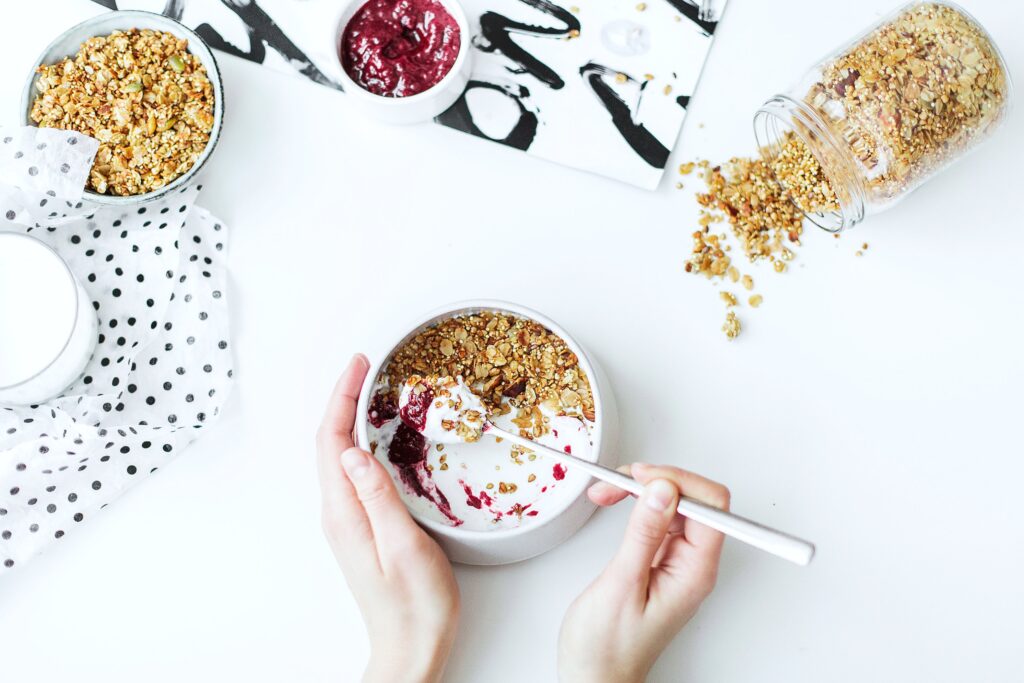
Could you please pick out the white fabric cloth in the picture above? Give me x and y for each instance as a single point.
(162, 367)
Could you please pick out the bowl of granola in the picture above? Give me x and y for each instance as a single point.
(146, 87)
(487, 501)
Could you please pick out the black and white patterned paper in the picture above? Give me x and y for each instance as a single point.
(598, 85)
(162, 367)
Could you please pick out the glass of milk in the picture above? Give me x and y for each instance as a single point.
(47, 323)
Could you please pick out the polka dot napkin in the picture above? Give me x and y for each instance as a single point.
(162, 368)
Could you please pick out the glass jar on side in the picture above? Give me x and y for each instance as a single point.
(874, 120)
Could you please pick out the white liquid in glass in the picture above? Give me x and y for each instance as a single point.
(47, 325)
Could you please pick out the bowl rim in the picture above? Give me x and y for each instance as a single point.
(454, 8)
(206, 57)
(466, 307)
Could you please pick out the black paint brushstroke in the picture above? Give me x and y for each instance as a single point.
(459, 117)
(635, 134)
(691, 10)
(496, 36)
(683, 101)
(174, 9)
(262, 30)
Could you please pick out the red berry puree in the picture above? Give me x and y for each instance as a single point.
(407, 451)
(398, 48)
(408, 454)
(383, 407)
(414, 413)
(484, 500)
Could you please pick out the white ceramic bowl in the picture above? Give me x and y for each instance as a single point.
(502, 546)
(422, 106)
(67, 45)
(47, 320)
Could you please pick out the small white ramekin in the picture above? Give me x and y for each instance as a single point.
(75, 350)
(67, 45)
(415, 108)
(503, 546)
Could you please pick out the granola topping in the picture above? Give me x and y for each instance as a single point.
(143, 95)
(513, 364)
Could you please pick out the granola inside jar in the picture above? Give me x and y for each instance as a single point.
(883, 114)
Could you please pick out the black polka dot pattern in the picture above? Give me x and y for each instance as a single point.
(162, 367)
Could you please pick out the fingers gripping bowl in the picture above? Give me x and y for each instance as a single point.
(485, 501)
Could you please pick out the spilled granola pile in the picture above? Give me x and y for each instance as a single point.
(763, 203)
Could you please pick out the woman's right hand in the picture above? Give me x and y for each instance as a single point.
(665, 567)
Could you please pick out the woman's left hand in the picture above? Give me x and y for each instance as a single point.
(401, 580)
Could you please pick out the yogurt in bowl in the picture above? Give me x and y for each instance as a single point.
(485, 500)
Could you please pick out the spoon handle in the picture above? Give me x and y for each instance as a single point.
(765, 538)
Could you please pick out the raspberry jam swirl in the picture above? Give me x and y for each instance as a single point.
(399, 48)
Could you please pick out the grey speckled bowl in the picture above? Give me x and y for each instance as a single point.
(67, 44)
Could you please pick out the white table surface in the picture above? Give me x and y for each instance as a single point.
(872, 404)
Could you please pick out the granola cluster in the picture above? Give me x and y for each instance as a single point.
(732, 325)
(511, 363)
(912, 95)
(762, 214)
(143, 96)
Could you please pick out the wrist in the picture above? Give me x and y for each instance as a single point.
(605, 673)
(405, 664)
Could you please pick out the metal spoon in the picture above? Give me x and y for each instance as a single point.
(461, 408)
(770, 540)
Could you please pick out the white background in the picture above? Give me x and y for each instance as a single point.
(872, 404)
